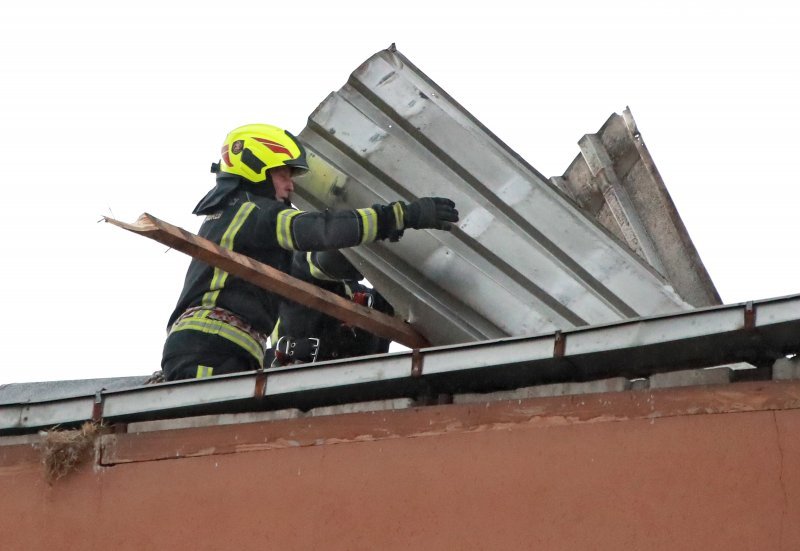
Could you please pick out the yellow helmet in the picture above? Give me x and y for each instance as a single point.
(250, 151)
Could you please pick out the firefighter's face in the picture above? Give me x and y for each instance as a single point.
(282, 179)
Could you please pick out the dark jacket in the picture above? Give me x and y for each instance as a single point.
(268, 231)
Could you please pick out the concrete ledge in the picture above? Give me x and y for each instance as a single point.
(20, 439)
(786, 369)
(360, 407)
(691, 377)
(212, 420)
(617, 384)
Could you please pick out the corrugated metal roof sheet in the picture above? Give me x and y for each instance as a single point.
(523, 259)
(615, 180)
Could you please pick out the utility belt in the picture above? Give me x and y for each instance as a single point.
(226, 324)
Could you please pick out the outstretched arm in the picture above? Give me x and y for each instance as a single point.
(320, 231)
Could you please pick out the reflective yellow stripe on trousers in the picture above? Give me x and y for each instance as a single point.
(213, 327)
(204, 371)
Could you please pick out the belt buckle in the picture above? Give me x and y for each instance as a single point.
(289, 345)
(314, 349)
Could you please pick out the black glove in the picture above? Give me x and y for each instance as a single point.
(430, 212)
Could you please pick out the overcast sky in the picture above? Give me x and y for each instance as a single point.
(113, 108)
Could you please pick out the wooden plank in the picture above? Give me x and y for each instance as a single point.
(275, 281)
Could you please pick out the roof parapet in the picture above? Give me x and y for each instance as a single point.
(755, 332)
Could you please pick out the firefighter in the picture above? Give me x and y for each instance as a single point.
(304, 335)
(220, 323)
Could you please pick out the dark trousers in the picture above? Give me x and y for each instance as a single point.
(192, 354)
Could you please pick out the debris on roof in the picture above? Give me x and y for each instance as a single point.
(63, 450)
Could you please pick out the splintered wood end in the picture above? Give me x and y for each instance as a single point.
(145, 222)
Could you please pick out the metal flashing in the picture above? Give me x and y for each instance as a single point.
(633, 348)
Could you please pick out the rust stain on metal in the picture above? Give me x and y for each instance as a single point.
(416, 363)
(559, 345)
(261, 384)
(749, 316)
(97, 408)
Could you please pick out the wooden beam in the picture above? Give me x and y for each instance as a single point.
(275, 281)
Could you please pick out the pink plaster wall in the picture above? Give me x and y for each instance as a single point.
(684, 480)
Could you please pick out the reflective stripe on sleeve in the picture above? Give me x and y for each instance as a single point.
(399, 219)
(220, 276)
(315, 271)
(369, 223)
(284, 228)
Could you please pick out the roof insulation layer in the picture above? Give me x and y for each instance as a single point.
(523, 259)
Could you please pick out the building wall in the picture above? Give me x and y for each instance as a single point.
(698, 468)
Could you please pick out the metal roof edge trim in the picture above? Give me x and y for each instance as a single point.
(567, 355)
